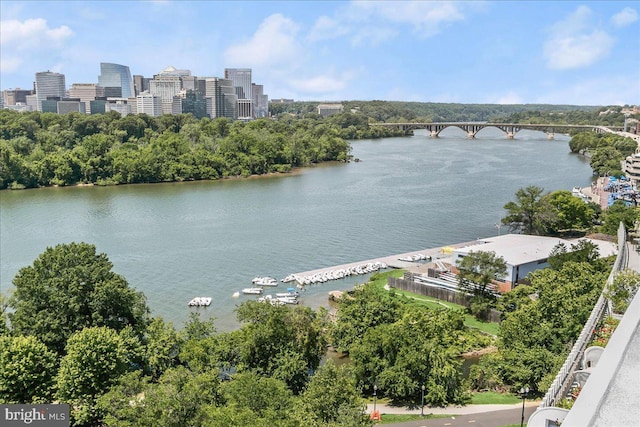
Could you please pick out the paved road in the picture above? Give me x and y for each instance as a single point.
(501, 418)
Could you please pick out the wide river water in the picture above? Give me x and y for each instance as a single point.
(175, 241)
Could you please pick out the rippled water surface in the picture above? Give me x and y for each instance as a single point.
(179, 240)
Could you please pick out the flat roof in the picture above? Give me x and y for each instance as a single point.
(516, 249)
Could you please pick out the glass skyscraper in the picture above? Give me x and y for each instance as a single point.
(241, 78)
(116, 76)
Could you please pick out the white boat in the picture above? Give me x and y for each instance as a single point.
(264, 281)
(287, 300)
(200, 302)
(289, 294)
(252, 291)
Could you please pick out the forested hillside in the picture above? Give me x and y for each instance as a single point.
(397, 111)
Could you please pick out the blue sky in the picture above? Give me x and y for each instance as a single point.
(572, 52)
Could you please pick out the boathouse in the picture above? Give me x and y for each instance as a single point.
(523, 254)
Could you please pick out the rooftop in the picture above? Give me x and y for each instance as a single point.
(519, 249)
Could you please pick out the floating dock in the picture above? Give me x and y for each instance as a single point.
(393, 261)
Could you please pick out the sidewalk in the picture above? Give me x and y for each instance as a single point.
(449, 410)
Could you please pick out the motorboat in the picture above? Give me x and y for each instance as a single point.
(200, 302)
(252, 291)
(265, 281)
(291, 293)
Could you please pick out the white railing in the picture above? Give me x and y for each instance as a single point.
(561, 383)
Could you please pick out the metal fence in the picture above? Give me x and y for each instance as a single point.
(563, 380)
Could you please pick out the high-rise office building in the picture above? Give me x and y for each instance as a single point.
(86, 92)
(113, 76)
(221, 98)
(195, 103)
(16, 96)
(49, 84)
(241, 78)
(140, 84)
(149, 104)
(168, 84)
(260, 101)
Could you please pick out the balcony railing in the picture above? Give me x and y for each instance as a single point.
(563, 380)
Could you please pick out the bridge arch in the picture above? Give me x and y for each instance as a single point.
(510, 129)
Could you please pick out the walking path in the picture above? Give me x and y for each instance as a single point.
(449, 410)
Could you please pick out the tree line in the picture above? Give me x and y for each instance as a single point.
(606, 151)
(427, 112)
(46, 149)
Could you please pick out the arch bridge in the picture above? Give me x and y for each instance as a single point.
(510, 129)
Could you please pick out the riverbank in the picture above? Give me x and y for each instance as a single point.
(174, 241)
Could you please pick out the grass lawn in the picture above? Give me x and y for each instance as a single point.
(491, 397)
(486, 327)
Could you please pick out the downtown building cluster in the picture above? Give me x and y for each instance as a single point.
(171, 91)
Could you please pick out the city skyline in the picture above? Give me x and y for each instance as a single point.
(582, 53)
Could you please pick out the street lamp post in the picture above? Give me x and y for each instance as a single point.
(375, 396)
(422, 407)
(523, 393)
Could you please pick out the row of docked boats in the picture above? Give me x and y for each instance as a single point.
(415, 258)
(200, 302)
(340, 273)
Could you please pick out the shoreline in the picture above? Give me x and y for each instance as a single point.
(294, 171)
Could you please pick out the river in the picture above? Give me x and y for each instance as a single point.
(174, 241)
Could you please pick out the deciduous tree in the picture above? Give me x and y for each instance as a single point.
(27, 370)
(70, 287)
(525, 213)
(476, 272)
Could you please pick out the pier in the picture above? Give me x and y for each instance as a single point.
(393, 261)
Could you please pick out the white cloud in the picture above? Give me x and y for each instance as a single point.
(625, 17)
(10, 65)
(326, 28)
(373, 35)
(32, 33)
(573, 45)
(273, 42)
(426, 17)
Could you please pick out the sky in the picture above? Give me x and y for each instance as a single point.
(519, 52)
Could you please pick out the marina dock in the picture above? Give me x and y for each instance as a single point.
(393, 261)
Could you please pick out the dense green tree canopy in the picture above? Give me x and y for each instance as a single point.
(525, 212)
(95, 359)
(365, 308)
(70, 287)
(27, 370)
(423, 347)
(618, 213)
(332, 398)
(281, 342)
(558, 212)
(537, 334)
(563, 211)
(43, 149)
